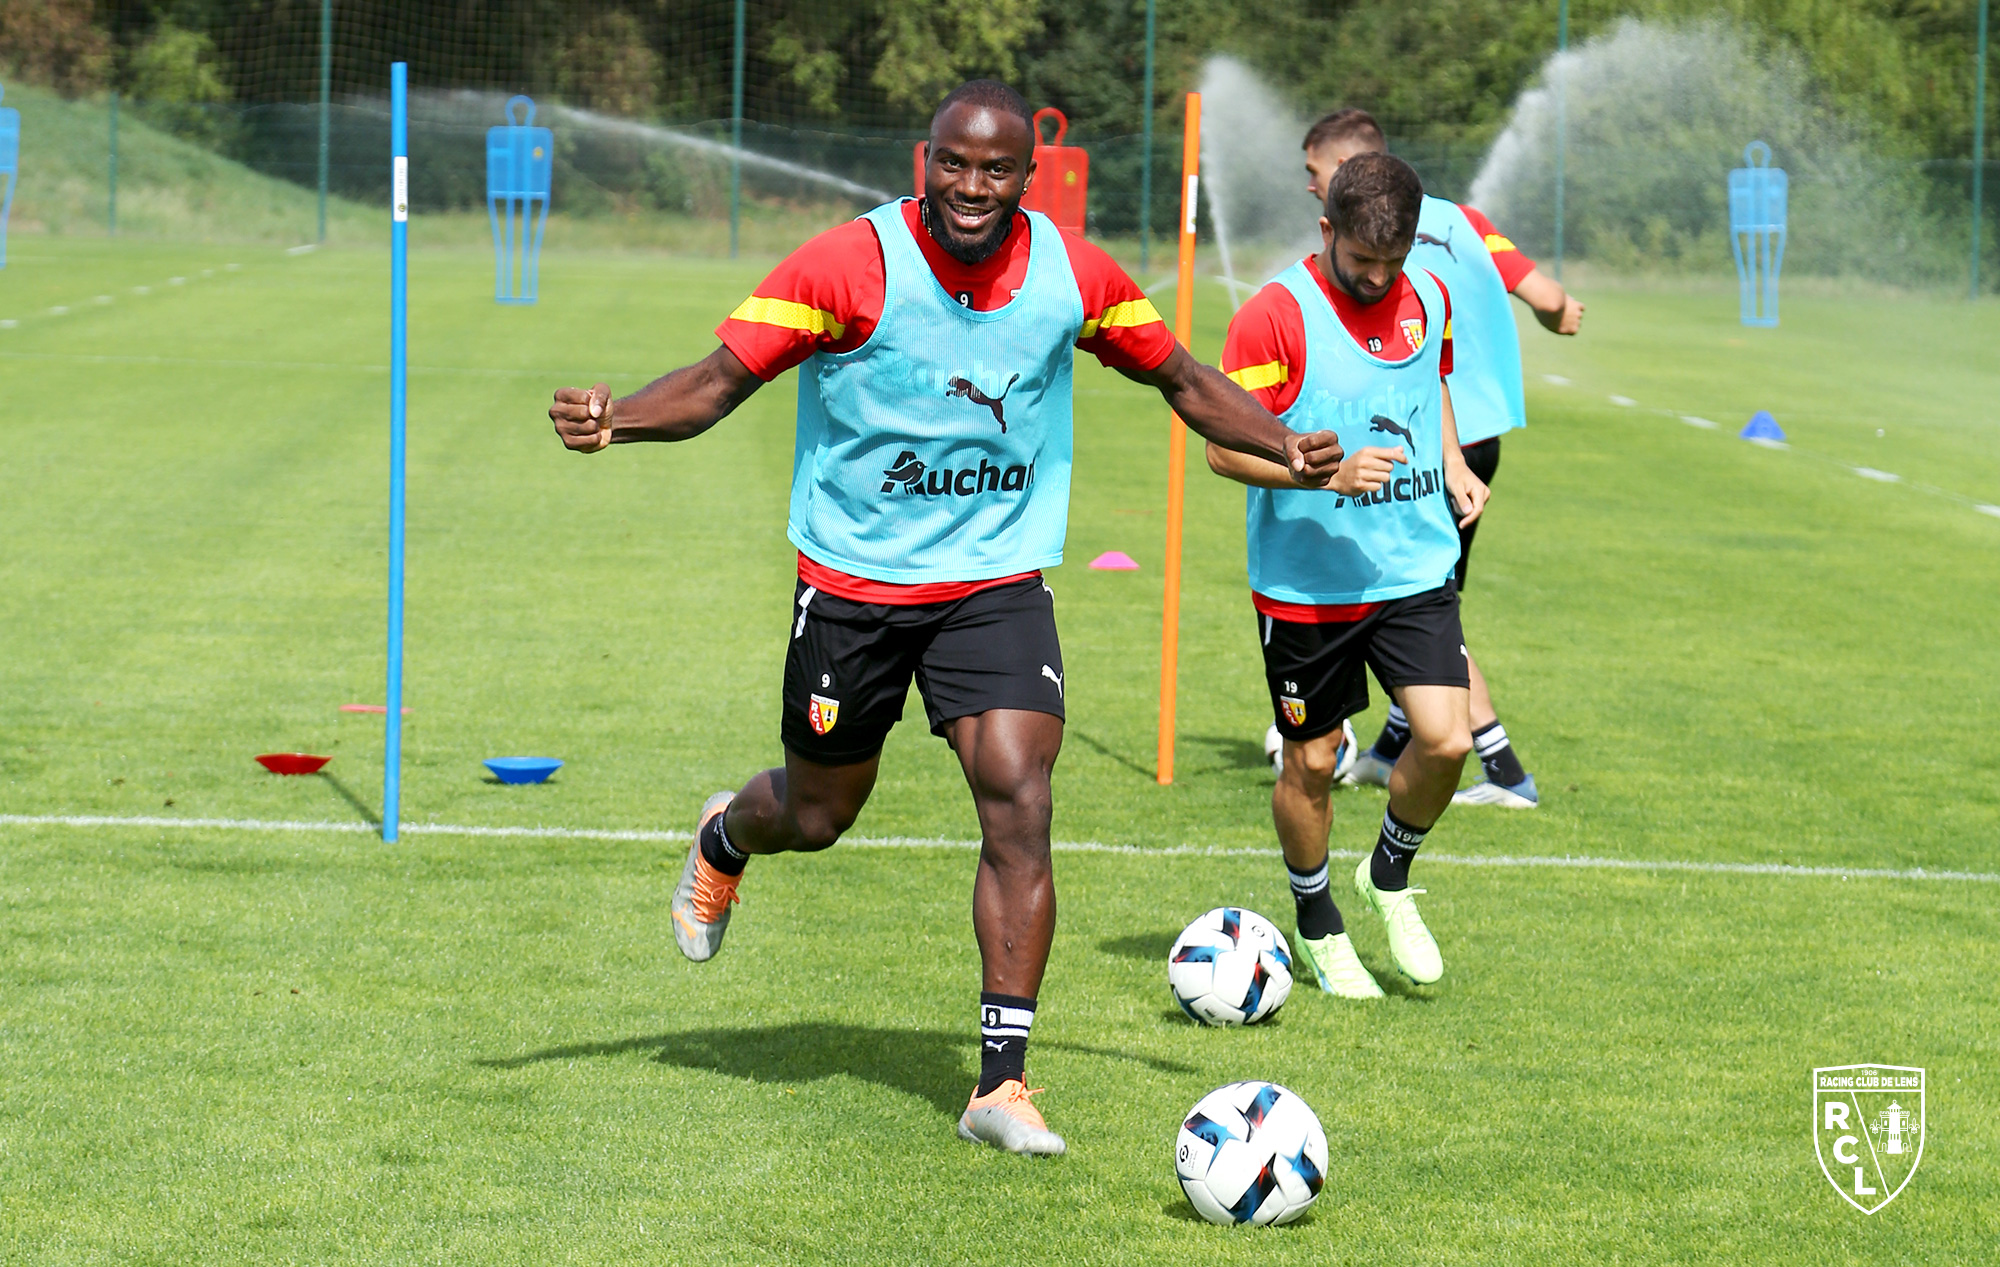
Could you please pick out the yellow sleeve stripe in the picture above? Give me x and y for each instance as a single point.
(1496, 243)
(1447, 329)
(1133, 312)
(790, 315)
(1252, 377)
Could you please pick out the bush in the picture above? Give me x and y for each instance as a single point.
(177, 77)
(52, 42)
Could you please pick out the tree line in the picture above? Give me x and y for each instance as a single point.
(1437, 71)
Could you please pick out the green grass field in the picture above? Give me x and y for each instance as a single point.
(228, 1045)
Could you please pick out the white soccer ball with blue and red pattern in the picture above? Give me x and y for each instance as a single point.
(1230, 967)
(1251, 1152)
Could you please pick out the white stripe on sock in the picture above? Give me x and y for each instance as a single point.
(1491, 740)
(995, 1019)
(1401, 837)
(1306, 884)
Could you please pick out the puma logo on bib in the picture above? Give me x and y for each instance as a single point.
(966, 388)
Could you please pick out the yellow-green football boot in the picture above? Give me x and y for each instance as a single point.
(1339, 969)
(1410, 943)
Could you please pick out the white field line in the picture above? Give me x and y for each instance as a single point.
(1865, 472)
(339, 367)
(1569, 862)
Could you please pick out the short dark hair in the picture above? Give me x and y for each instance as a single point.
(1345, 127)
(990, 94)
(1375, 199)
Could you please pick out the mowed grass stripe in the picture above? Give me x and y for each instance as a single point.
(940, 842)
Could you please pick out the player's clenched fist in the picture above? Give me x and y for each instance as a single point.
(1313, 458)
(1366, 470)
(583, 418)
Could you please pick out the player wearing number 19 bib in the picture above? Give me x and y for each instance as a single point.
(1482, 268)
(934, 340)
(1359, 578)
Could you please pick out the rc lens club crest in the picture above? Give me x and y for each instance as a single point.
(1868, 1127)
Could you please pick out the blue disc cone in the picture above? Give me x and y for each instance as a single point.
(1762, 426)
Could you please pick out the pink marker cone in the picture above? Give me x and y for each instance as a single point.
(1115, 561)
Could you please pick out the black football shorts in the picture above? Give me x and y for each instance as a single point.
(1318, 672)
(849, 668)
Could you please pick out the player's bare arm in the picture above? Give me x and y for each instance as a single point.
(1362, 471)
(1468, 491)
(1557, 309)
(678, 406)
(1229, 417)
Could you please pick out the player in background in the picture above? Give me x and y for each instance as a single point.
(1360, 577)
(930, 486)
(1481, 267)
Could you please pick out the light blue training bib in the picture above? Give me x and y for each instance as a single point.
(1311, 546)
(940, 449)
(1486, 398)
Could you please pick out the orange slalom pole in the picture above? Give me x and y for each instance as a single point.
(1170, 617)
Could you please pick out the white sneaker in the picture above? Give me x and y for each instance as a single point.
(1368, 770)
(1486, 792)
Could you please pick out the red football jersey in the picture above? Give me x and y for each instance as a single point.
(1507, 257)
(1265, 353)
(827, 296)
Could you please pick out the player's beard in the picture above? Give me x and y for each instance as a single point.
(967, 251)
(1351, 284)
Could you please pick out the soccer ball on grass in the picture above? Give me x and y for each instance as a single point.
(1251, 1152)
(1230, 967)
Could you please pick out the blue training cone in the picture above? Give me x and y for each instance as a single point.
(1762, 426)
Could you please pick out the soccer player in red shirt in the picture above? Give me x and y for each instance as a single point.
(1330, 142)
(1360, 580)
(934, 338)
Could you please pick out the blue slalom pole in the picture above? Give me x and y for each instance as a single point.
(399, 328)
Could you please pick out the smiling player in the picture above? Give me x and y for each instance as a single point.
(930, 487)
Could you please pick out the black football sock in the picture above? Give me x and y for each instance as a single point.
(1395, 848)
(1318, 916)
(1496, 754)
(716, 849)
(1004, 1021)
(1395, 735)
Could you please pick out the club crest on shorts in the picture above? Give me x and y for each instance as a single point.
(1868, 1129)
(1295, 709)
(822, 713)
